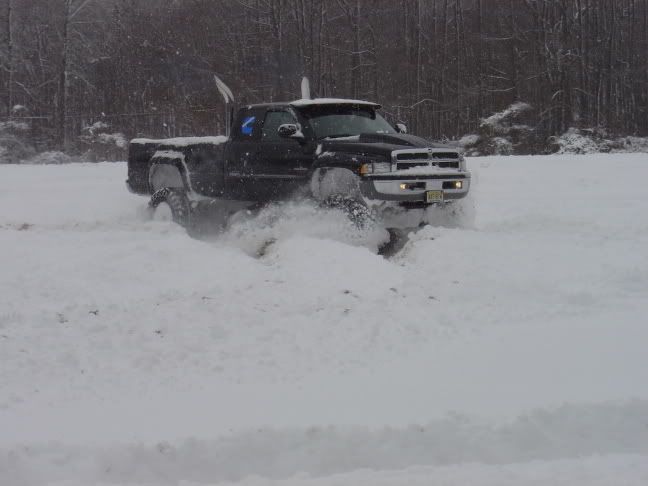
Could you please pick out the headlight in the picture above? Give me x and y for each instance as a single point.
(366, 169)
(375, 168)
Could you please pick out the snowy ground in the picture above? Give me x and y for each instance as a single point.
(512, 351)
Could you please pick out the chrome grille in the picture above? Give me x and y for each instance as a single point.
(445, 155)
(409, 165)
(412, 156)
(446, 165)
(416, 157)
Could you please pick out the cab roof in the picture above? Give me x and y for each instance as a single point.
(333, 101)
(318, 101)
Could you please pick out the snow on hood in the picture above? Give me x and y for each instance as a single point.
(169, 154)
(350, 138)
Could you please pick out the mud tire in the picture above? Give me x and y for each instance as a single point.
(178, 202)
(357, 211)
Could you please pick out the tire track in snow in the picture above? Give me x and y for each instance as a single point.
(570, 431)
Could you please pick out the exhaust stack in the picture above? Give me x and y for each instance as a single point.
(305, 89)
(227, 95)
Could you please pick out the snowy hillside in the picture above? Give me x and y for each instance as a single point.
(508, 351)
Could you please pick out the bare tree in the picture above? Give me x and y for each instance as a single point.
(9, 62)
(146, 66)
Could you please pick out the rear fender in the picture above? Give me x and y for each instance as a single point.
(168, 169)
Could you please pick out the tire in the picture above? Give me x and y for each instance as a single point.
(398, 238)
(327, 183)
(357, 211)
(177, 201)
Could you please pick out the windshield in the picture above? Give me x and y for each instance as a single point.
(331, 121)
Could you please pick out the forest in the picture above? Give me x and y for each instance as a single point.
(146, 67)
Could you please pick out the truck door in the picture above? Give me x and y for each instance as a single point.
(241, 153)
(281, 165)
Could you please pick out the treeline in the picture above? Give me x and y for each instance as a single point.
(145, 67)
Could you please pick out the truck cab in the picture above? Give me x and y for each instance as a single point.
(277, 148)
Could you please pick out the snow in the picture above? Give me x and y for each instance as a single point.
(54, 157)
(500, 122)
(13, 125)
(350, 138)
(332, 101)
(117, 139)
(576, 141)
(502, 145)
(169, 154)
(97, 127)
(507, 352)
(97, 133)
(182, 141)
(468, 140)
(631, 144)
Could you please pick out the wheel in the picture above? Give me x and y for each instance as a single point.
(357, 211)
(171, 203)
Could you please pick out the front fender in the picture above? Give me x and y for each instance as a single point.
(334, 181)
(341, 160)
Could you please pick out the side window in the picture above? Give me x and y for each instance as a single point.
(273, 120)
(247, 125)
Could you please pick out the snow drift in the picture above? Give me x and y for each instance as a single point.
(508, 351)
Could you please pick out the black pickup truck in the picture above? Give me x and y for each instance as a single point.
(339, 152)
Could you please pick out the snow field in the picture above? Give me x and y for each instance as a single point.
(131, 353)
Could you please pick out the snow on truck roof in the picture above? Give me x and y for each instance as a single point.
(333, 101)
(182, 141)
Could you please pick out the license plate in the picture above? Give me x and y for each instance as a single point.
(434, 196)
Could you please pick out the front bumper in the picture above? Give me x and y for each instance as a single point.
(388, 187)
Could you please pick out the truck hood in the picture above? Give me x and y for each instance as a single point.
(377, 143)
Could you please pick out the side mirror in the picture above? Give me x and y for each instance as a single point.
(401, 128)
(290, 130)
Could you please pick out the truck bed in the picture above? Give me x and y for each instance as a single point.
(194, 149)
